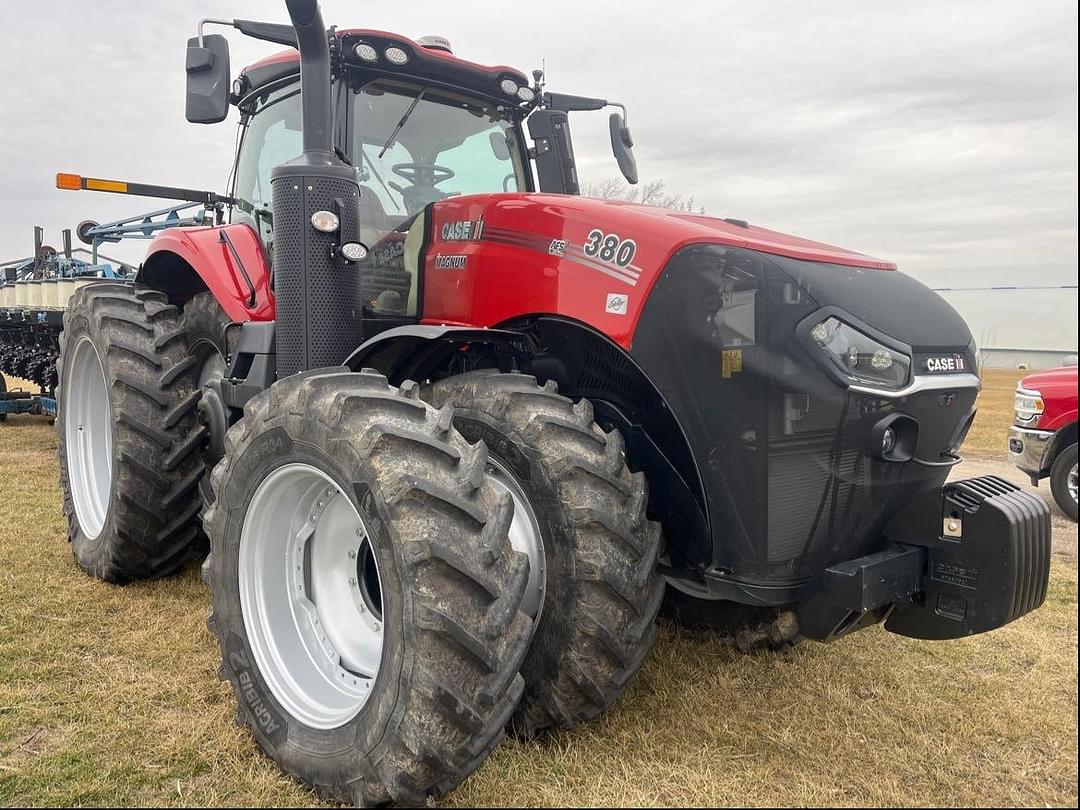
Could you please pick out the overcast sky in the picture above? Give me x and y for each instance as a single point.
(942, 136)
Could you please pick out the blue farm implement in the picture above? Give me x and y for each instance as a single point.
(35, 290)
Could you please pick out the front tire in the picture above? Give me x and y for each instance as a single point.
(130, 439)
(602, 590)
(1063, 480)
(384, 670)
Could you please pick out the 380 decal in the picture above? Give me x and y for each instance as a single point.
(610, 247)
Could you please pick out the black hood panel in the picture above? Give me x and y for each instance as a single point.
(792, 482)
(888, 300)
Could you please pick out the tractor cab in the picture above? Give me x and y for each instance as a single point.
(417, 125)
(411, 138)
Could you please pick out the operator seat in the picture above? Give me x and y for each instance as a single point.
(374, 224)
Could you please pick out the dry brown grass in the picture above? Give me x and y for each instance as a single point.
(108, 696)
(990, 432)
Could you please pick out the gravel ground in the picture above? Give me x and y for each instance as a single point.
(1064, 530)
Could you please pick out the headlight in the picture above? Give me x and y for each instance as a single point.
(859, 357)
(1028, 406)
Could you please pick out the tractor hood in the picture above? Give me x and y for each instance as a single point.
(683, 227)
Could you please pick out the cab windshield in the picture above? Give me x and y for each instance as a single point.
(413, 145)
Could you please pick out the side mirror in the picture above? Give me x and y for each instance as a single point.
(207, 79)
(622, 144)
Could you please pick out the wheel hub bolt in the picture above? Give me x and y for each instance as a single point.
(352, 581)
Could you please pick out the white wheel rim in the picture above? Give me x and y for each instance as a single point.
(524, 537)
(311, 596)
(88, 437)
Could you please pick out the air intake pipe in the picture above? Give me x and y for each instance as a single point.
(319, 307)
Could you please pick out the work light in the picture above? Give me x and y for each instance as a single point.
(395, 55)
(325, 221)
(366, 52)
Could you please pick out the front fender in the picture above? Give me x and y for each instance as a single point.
(412, 352)
(228, 260)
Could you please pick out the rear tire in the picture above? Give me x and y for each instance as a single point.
(1063, 480)
(130, 439)
(451, 637)
(602, 590)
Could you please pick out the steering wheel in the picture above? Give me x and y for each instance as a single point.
(422, 178)
(422, 174)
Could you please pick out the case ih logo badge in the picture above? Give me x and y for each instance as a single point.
(947, 363)
(465, 230)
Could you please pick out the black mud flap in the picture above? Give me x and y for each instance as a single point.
(967, 558)
(987, 548)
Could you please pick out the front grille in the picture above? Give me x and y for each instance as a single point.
(811, 501)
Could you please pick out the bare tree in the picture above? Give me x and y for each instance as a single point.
(653, 192)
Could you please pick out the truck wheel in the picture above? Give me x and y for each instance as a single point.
(129, 433)
(365, 594)
(1063, 480)
(582, 511)
(747, 628)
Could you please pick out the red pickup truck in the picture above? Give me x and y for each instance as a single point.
(1042, 441)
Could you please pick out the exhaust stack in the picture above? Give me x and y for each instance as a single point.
(311, 40)
(319, 306)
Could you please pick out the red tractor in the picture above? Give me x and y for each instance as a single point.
(466, 430)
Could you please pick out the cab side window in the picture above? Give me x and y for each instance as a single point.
(272, 135)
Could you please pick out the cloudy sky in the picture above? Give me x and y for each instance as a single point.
(942, 136)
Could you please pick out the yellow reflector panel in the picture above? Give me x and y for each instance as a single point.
(105, 185)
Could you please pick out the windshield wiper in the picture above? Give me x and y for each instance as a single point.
(364, 156)
(401, 123)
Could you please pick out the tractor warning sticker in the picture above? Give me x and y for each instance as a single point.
(617, 303)
(732, 363)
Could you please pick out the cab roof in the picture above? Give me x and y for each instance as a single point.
(423, 63)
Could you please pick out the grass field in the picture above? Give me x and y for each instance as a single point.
(108, 696)
(990, 431)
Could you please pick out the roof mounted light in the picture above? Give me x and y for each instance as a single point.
(366, 52)
(526, 94)
(509, 86)
(395, 55)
